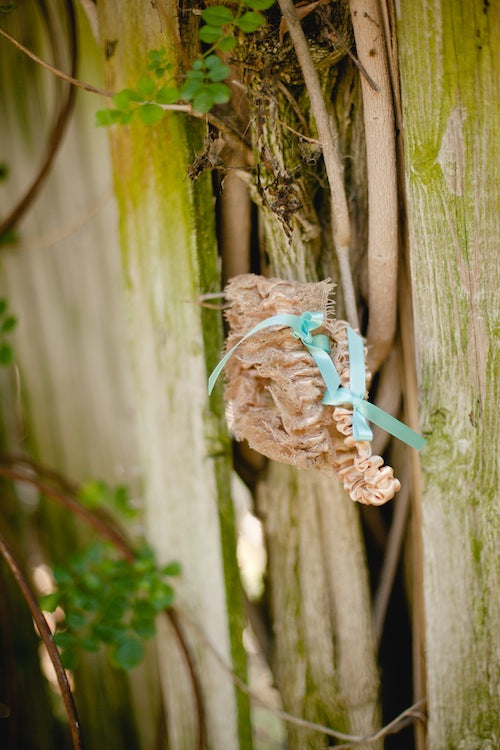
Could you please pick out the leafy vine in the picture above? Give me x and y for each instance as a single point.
(203, 84)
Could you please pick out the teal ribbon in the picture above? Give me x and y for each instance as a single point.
(335, 394)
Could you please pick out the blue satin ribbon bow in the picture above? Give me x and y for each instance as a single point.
(335, 394)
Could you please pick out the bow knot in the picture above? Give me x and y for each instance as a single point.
(335, 394)
(306, 323)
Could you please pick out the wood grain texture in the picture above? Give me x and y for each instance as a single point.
(324, 651)
(68, 401)
(169, 258)
(449, 74)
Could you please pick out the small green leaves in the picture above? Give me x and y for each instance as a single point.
(216, 69)
(97, 493)
(7, 324)
(210, 34)
(202, 85)
(168, 95)
(107, 117)
(227, 43)
(217, 15)
(259, 4)
(128, 102)
(146, 87)
(220, 22)
(49, 602)
(158, 63)
(250, 21)
(6, 8)
(150, 114)
(127, 652)
(124, 98)
(109, 600)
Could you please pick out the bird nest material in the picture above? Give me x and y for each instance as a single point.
(274, 388)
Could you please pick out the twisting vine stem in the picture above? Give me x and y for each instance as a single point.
(46, 636)
(110, 531)
(57, 130)
(176, 618)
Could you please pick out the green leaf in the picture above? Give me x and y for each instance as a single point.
(6, 354)
(89, 644)
(172, 569)
(8, 8)
(61, 575)
(95, 552)
(227, 43)
(204, 100)
(162, 597)
(146, 87)
(150, 114)
(167, 95)
(75, 620)
(50, 602)
(4, 171)
(210, 34)
(198, 65)
(69, 659)
(128, 653)
(156, 55)
(217, 15)
(122, 100)
(92, 581)
(220, 73)
(106, 633)
(115, 608)
(3, 306)
(78, 600)
(220, 92)
(126, 116)
(134, 96)
(250, 21)
(9, 324)
(106, 117)
(195, 75)
(95, 492)
(190, 89)
(259, 4)
(65, 639)
(144, 610)
(144, 627)
(9, 237)
(217, 69)
(213, 61)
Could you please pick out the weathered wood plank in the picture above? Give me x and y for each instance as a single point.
(68, 402)
(449, 74)
(169, 257)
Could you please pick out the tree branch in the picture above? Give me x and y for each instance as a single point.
(186, 108)
(55, 71)
(334, 169)
(378, 112)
